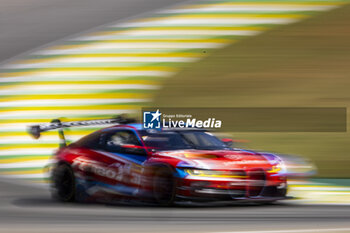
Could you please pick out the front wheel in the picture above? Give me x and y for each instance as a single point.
(164, 186)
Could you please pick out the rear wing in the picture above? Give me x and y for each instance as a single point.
(36, 130)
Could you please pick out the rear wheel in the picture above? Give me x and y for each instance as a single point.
(63, 180)
(164, 186)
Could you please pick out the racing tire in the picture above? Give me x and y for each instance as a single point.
(63, 184)
(164, 187)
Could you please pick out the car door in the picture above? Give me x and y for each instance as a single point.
(121, 155)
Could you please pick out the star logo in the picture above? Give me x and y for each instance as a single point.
(151, 120)
(156, 115)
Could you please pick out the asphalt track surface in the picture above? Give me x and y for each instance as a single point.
(25, 208)
(28, 24)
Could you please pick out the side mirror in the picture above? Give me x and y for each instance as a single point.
(133, 149)
(227, 141)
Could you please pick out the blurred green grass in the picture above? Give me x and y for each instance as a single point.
(301, 65)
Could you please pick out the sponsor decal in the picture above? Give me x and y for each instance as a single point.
(117, 171)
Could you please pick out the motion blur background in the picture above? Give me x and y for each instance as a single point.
(199, 54)
(57, 61)
(301, 65)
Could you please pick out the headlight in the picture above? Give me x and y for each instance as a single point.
(275, 168)
(215, 173)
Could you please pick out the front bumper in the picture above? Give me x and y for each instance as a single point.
(225, 190)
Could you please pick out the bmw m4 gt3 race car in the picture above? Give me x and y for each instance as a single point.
(127, 162)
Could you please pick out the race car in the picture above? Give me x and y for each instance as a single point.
(128, 162)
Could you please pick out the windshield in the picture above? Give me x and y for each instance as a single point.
(177, 140)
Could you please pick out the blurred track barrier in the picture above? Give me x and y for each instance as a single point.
(320, 192)
(118, 68)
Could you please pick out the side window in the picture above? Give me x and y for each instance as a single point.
(117, 141)
(91, 141)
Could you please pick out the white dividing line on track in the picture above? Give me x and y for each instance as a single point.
(140, 46)
(171, 32)
(209, 21)
(22, 140)
(93, 61)
(156, 45)
(58, 88)
(326, 188)
(21, 127)
(68, 102)
(39, 114)
(35, 78)
(80, 76)
(28, 140)
(125, 59)
(55, 51)
(28, 176)
(30, 151)
(34, 163)
(293, 231)
(89, 75)
(133, 45)
(250, 8)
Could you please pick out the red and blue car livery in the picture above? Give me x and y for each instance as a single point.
(128, 162)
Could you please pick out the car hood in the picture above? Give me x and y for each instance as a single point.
(216, 159)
